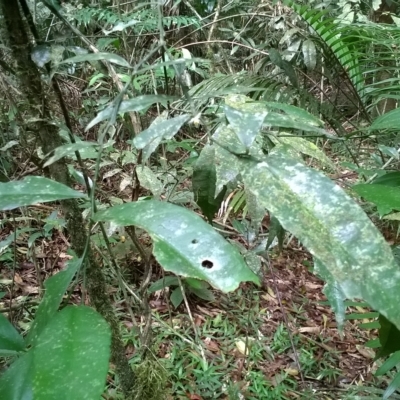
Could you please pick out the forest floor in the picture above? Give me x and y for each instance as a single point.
(277, 341)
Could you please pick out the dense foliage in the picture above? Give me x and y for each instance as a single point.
(153, 129)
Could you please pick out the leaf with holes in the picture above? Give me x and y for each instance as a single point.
(184, 243)
(33, 190)
(331, 225)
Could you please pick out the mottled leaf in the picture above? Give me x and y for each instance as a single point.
(67, 150)
(332, 226)
(184, 243)
(149, 180)
(71, 356)
(303, 146)
(333, 293)
(204, 183)
(160, 129)
(246, 125)
(309, 54)
(138, 103)
(33, 190)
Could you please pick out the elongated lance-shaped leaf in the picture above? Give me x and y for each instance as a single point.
(160, 129)
(184, 243)
(246, 125)
(332, 226)
(204, 183)
(135, 104)
(11, 342)
(33, 190)
(56, 287)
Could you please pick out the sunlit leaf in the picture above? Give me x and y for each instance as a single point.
(67, 150)
(386, 198)
(135, 104)
(71, 356)
(317, 212)
(160, 129)
(110, 57)
(184, 243)
(246, 125)
(33, 190)
(309, 54)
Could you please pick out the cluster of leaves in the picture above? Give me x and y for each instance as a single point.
(256, 142)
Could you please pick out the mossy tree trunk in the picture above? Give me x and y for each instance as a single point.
(39, 108)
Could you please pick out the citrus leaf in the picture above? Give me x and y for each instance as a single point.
(184, 243)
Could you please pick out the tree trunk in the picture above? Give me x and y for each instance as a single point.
(38, 106)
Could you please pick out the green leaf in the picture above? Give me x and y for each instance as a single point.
(394, 385)
(148, 179)
(55, 288)
(246, 125)
(204, 183)
(389, 364)
(204, 294)
(33, 190)
(138, 103)
(309, 54)
(389, 120)
(305, 147)
(333, 293)
(110, 57)
(163, 283)
(317, 212)
(71, 356)
(389, 179)
(16, 381)
(386, 198)
(195, 283)
(160, 129)
(176, 297)
(11, 341)
(183, 243)
(66, 150)
(389, 337)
